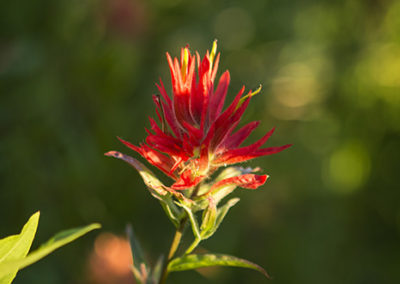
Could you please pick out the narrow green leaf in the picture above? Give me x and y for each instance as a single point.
(54, 243)
(195, 228)
(192, 219)
(154, 185)
(137, 252)
(156, 274)
(193, 261)
(221, 213)
(209, 218)
(17, 247)
(171, 210)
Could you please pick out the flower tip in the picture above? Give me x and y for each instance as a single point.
(114, 154)
(213, 51)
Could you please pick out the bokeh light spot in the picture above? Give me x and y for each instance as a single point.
(348, 168)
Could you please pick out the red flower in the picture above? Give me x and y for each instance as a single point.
(194, 136)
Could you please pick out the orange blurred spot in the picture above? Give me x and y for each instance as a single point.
(111, 260)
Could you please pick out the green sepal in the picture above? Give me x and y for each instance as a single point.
(154, 185)
(194, 261)
(209, 220)
(172, 212)
(194, 225)
(192, 219)
(16, 247)
(223, 210)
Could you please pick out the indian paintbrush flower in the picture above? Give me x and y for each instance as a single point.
(194, 135)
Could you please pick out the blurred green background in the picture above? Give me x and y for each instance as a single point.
(74, 74)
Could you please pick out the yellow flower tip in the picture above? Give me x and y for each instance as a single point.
(256, 91)
(185, 62)
(249, 95)
(213, 51)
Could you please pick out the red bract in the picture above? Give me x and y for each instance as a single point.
(194, 136)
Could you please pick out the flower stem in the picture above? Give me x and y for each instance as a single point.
(177, 239)
(174, 246)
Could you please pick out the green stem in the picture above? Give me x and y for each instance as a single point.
(193, 245)
(174, 246)
(177, 239)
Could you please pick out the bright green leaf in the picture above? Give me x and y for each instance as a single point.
(17, 247)
(54, 243)
(193, 261)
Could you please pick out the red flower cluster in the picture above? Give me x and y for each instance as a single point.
(194, 136)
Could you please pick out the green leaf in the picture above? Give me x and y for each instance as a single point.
(157, 271)
(137, 252)
(193, 261)
(155, 186)
(171, 210)
(139, 262)
(195, 227)
(17, 247)
(221, 213)
(54, 243)
(209, 219)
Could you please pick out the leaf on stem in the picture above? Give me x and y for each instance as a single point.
(137, 252)
(155, 186)
(156, 275)
(194, 261)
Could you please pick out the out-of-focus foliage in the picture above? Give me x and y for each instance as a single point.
(14, 248)
(75, 74)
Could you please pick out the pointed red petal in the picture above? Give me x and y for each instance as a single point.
(153, 157)
(158, 160)
(240, 155)
(253, 147)
(222, 124)
(163, 93)
(185, 181)
(171, 120)
(237, 139)
(215, 68)
(249, 181)
(218, 98)
(131, 146)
